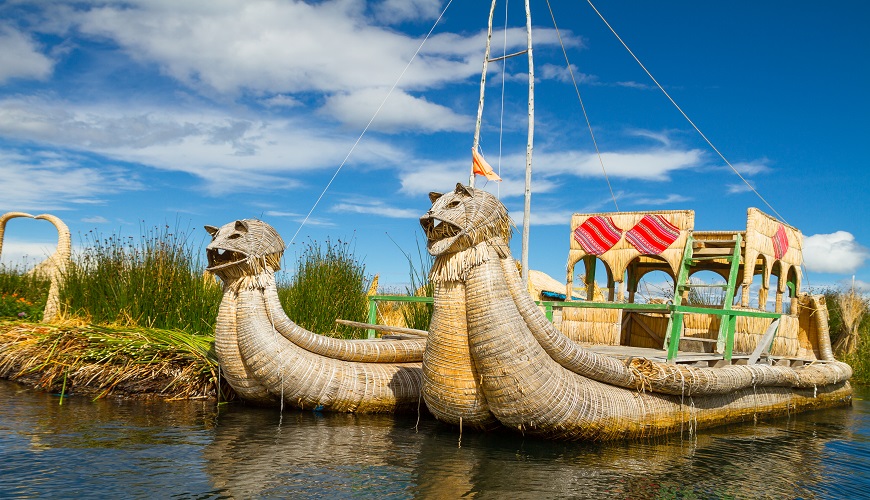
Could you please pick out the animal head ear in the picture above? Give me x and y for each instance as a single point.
(241, 226)
(211, 230)
(434, 196)
(460, 189)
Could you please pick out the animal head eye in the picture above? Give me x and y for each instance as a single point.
(452, 204)
(234, 236)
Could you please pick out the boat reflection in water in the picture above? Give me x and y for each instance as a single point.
(136, 448)
(385, 456)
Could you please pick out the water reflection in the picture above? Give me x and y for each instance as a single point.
(132, 449)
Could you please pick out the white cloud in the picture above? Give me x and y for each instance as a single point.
(49, 181)
(654, 164)
(635, 85)
(277, 213)
(660, 137)
(377, 208)
(543, 217)
(23, 253)
(211, 145)
(444, 176)
(269, 46)
(562, 74)
(20, 58)
(96, 220)
(282, 100)
(396, 11)
(836, 253)
(401, 112)
(739, 188)
(665, 200)
(753, 167)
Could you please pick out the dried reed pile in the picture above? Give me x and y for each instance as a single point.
(100, 361)
(853, 307)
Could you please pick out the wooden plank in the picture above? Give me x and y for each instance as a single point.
(383, 328)
(764, 344)
(650, 332)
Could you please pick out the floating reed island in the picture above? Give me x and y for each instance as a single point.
(611, 369)
(50, 341)
(100, 361)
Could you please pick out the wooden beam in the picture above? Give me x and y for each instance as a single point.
(383, 328)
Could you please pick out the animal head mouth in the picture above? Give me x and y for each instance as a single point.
(437, 229)
(221, 258)
(442, 236)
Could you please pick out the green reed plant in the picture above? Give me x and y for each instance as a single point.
(22, 294)
(418, 315)
(329, 283)
(157, 281)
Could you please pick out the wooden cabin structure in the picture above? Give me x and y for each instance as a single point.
(630, 245)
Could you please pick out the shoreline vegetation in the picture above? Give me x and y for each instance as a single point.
(137, 315)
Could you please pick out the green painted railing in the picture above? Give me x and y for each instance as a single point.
(676, 311)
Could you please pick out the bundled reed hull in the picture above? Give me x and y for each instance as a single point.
(268, 359)
(521, 372)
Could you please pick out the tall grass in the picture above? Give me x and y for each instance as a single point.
(156, 281)
(328, 283)
(417, 315)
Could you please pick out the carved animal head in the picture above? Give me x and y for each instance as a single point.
(243, 247)
(464, 218)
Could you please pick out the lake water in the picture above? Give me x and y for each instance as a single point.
(129, 449)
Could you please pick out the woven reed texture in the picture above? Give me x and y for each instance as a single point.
(623, 252)
(267, 358)
(52, 268)
(6, 218)
(540, 282)
(761, 230)
(594, 326)
(814, 325)
(537, 380)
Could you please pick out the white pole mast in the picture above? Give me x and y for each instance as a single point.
(529, 146)
(482, 89)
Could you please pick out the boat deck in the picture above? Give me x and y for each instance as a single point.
(693, 358)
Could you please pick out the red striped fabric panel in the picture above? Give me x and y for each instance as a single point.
(597, 235)
(652, 234)
(780, 242)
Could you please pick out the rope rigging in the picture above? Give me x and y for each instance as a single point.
(366, 128)
(698, 130)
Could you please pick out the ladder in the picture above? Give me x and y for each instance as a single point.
(697, 251)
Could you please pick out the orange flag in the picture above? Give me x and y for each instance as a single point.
(481, 167)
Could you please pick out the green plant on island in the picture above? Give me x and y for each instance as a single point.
(22, 294)
(327, 283)
(157, 281)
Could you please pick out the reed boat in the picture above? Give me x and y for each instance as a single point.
(615, 369)
(270, 360)
(494, 358)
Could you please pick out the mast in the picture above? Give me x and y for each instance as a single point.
(524, 260)
(529, 146)
(482, 89)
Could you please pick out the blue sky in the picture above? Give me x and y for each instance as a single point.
(118, 115)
